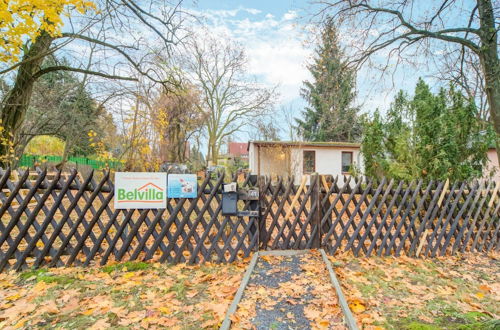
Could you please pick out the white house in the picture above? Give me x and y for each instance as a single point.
(303, 158)
(334, 158)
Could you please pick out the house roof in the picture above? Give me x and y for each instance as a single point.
(306, 144)
(238, 148)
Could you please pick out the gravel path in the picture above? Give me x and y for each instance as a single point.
(279, 297)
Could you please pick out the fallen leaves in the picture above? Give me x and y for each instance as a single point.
(49, 306)
(156, 295)
(312, 313)
(391, 291)
(357, 306)
(297, 288)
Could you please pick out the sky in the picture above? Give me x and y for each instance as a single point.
(274, 34)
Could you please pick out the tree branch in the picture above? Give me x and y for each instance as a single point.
(43, 71)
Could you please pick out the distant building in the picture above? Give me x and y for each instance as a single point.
(303, 158)
(238, 149)
(237, 155)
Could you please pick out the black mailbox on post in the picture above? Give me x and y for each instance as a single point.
(229, 203)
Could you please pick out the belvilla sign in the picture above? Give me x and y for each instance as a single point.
(140, 190)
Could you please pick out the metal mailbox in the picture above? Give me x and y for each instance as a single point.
(229, 203)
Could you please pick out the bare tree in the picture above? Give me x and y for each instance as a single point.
(140, 148)
(400, 25)
(267, 129)
(289, 122)
(117, 34)
(230, 98)
(464, 71)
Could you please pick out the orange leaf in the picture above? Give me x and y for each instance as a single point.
(357, 306)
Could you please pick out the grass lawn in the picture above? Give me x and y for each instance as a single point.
(407, 293)
(123, 296)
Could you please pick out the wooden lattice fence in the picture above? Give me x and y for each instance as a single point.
(383, 218)
(64, 219)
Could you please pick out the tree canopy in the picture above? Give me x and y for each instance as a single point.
(429, 136)
(27, 19)
(462, 32)
(110, 42)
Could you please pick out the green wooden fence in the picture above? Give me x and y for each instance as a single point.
(30, 160)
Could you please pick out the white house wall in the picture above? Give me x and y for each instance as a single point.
(252, 158)
(492, 170)
(328, 160)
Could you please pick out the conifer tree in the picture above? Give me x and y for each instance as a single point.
(429, 136)
(330, 114)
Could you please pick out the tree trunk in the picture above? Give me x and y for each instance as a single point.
(129, 163)
(21, 145)
(215, 153)
(64, 160)
(490, 63)
(17, 100)
(211, 151)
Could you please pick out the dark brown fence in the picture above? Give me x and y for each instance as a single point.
(64, 219)
(383, 218)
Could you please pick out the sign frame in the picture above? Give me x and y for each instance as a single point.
(140, 190)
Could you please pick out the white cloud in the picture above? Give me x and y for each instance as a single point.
(290, 15)
(222, 13)
(253, 11)
(274, 47)
(225, 13)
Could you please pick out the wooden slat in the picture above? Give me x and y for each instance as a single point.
(48, 219)
(40, 259)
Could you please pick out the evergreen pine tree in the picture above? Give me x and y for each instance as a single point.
(330, 115)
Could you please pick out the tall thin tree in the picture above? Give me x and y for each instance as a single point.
(330, 114)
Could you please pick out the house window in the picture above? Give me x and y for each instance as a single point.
(309, 161)
(346, 161)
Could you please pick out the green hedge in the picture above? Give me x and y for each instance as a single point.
(29, 161)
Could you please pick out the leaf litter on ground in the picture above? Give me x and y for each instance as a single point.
(449, 292)
(133, 295)
(289, 292)
(460, 292)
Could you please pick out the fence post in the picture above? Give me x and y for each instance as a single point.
(325, 202)
(254, 205)
(261, 183)
(314, 184)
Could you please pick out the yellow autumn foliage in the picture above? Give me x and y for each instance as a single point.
(45, 145)
(21, 20)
